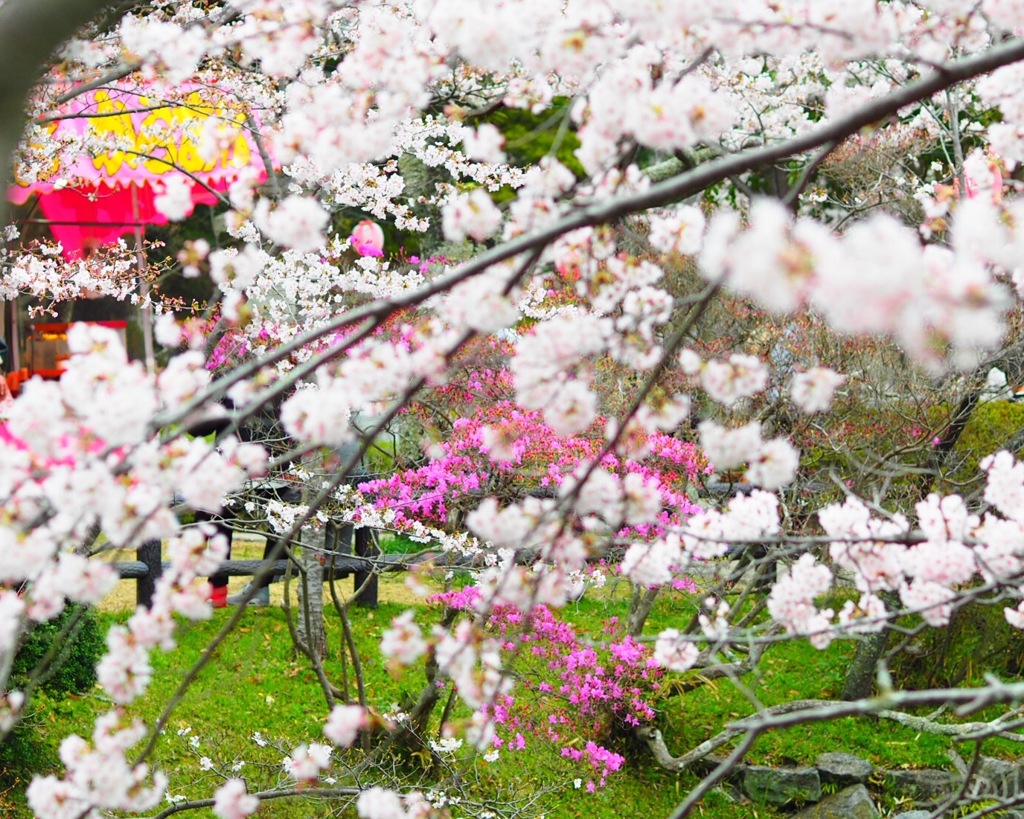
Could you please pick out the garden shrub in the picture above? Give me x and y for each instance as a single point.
(76, 670)
(583, 697)
(977, 637)
(26, 751)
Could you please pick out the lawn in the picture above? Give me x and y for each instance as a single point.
(257, 700)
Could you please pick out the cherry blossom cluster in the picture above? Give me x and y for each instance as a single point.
(705, 535)
(943, 305)
(957, 546)
(70, 463)
(812, 391)
(791, 602)
(342, 110)
(381, 188)
(125, 672)
(41, 271)
(381, 803)
(770, 464)
(98, 776)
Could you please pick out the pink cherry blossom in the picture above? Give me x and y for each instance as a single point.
(403, 642)
(344, 723)
(673, 653)
(812, 391)
(473, 215)
(231, 801)
(175, 202)
(379, 803)
(307, 761)
(298, 222)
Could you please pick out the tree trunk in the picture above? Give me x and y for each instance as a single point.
(30, 30)
(639, 609)
(310, 617)
(860, 677)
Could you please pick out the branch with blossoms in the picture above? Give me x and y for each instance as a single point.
(40, 272)
(586, 311)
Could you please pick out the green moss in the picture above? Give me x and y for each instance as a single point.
(529, 137)
(993, 425)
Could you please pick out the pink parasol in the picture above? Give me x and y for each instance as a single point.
(137, 142)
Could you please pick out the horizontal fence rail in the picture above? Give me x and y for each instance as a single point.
(364, 565)
(343, 564)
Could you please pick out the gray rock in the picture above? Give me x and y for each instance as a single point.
(925, 786)
(781, 786)
(997, 778)
(843, 769)
(852, 803)
(914, 814)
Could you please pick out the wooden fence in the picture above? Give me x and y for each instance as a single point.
(364, 563)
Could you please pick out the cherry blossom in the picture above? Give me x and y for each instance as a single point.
(673, 653)
(403, 643)
(680, 231)
(727, 448)
(791, 601)
(773, 465)
(307, 761)
(485, 144)
(378, 803)
(694, 156)
(473, 215)
(175, 201)
(812, 390)
(653, 564)
(298, 222)
(344, 723)
(1005, 486)
(233, 802)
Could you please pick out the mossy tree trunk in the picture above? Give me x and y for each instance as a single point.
(860, 678)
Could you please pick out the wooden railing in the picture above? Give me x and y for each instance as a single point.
(364, 564)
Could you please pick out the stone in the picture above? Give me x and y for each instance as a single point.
(926, 786)
(851, 803)
(843, 769)
(996, 778)
(781, 786)
(928, 814)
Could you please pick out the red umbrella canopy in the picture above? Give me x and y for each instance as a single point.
(121, 147)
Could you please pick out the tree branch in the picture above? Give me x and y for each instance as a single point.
(30, 31)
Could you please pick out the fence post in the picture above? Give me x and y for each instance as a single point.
(366, 546)
(145, 586)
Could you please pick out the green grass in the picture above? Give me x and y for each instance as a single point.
(396, 543)
(256, 684)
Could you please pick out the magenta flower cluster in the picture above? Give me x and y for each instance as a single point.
(578, 690)
(579, 695)
(502, 450)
